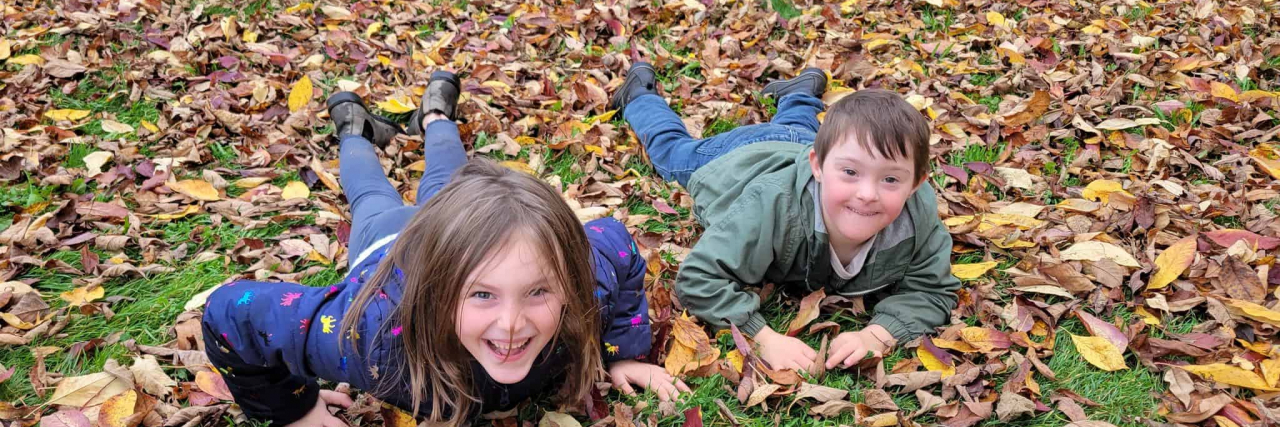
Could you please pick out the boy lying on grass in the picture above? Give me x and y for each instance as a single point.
(840, 206)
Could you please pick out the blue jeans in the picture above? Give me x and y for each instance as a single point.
(377, 210)
(676, 155)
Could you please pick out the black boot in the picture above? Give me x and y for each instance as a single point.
(350, 116)
(812, 81)
(440, 97)
(641, 79)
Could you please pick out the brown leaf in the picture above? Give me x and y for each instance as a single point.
(65, 418)
(1030, 110)
(820, 393)
(879, 400)
(62, 68)
(87, 390)
(150, 377)
(1013, 405)
(211, 382)
(833, 408)
(760, 394)
(808, 312)
(1240, 281)
(911, 381)
(1179, 384)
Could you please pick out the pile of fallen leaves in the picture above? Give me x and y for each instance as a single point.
(1092, 158)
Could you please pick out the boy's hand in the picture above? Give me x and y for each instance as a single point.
(784, 352)
(624, 373)
(850, 348)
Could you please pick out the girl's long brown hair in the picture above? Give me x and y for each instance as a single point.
(476, 214)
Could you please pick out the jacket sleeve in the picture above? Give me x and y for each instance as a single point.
(620, 291)
(731, 253)
(263, 339)
(923, 300)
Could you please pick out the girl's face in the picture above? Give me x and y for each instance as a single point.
(510, 310)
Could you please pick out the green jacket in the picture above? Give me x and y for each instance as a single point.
(759, 214)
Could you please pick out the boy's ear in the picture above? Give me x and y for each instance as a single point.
(815, 165)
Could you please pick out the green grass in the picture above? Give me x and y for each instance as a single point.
(718, 126)
(785, 8)
(1138, 13)
(982, 79)
(937, 20)
(977, 153)
(107, 91)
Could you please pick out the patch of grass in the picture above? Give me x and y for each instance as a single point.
(564, 165)
(225, 155)
(107, 91)
(22, 196)
(982, 79)
(937, 20)
(153, 304)
(1124, 396)
(977, 153)
(986, 59)
(1138, 13)
(718, 126)
(785, 8)
(992, 102)
(76, 155)
(1229, 221)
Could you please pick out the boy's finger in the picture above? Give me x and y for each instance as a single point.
(837, 355)
(683, 387)
(854, 358)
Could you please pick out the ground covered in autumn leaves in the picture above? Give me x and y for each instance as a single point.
(1109, 172)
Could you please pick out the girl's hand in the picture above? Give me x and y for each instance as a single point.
(624, 373)
(320, 416)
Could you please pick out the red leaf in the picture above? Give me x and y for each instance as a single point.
(693, 417)
(663, 207)
(1226, 238)
(1101, 328)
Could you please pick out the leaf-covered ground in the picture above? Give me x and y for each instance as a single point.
(1109, 172)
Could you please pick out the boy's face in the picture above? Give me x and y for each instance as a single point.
(862, 192)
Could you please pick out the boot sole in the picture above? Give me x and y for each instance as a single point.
(616, 101)
(415, 120)
(345, 97)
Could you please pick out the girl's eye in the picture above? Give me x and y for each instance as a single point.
(481, 295)
(539, 292)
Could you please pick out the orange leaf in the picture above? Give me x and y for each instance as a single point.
(211, 382)
(808, 312)
(1221, 90)
(114, 412)
(985, 339)
(1268, 157)
(1252, 311)
(196, 189)
(1173, 261)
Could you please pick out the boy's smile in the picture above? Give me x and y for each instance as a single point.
(861, 193)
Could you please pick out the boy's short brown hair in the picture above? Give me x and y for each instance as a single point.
(881, 119)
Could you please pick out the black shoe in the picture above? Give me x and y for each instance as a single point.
(812, 81)
(350, 116)
(440, 97)
(641, 79)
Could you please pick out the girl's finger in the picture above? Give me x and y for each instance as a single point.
(335, 398)
(626, 389)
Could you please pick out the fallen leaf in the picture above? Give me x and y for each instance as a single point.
(397, 104)
(65, 418)
(972, 271)
(808, 312)
(1268, 157)
(1240, 281)
(761, 393)
(1101, 328)
(1172, 262)
(1013, 405)
(1222, 90)
(87, 390)
(83, 295)
(557, 419)
(112, 126)
(1099, 352)
(295, 190)
(1094, 250)
(1227, 238)
(934, 358)
(211, 382)
(300, 94)
(1229, 374)
(66, 114)
(196, 189)
(150, 377)
(1100, 190)
(94, 161)
(116, 409)
(833, 408)
(1252, 311)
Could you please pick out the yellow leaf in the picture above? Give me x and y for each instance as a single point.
(66, 114)
(995, 18)
(116, 409)
(300, 94)
(251, 182)
(295, 189)
(88, 390)
(526, 140)
(26, 60)
(1229, 374)
(1099, 352)
(1257, 95)
(735, 360)
(1268, 157)
(680, 359)
(595, 149)
(972, 271)
(420, 166)
(497, 85)
(317, 257)
(83, 295)
(112, 126)
(1253, 311)
(151, 127)
(1094, 250)
(1101, 189)
(933, 364)
(1173, 261)
(373, 28)
(15, 321)
(603, 117)
(1092, 30)
(299, 7)
(5, 48)
(1270, 371)
(959, 346)
(190, 209)
(397, 104)
(249, 37)
(1222, 90)
(196, 189)
(1147, 317)
(519, 166)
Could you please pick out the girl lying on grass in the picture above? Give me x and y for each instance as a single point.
(486, 293)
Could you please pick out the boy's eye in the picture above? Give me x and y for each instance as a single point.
(891, 180)
(850, 172)
(481, 295)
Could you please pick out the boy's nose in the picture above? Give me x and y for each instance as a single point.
(866, 191)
